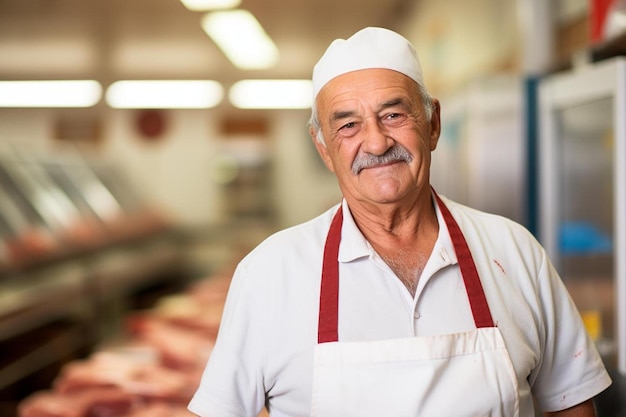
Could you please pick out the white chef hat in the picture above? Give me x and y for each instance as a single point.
(371, 47)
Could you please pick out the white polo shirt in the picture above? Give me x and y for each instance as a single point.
(265, 344)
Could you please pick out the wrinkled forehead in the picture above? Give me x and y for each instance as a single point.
(369, 88)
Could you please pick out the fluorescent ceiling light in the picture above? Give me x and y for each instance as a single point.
(204, 5)
(242, 39)
(165, 94)
(75, 93)
(272, 94)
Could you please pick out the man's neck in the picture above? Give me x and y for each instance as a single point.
(402, 222)
(403, 236)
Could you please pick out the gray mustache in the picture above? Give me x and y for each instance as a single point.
(394, 154)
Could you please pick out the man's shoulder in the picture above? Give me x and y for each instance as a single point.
(305, 238)
(473, 221)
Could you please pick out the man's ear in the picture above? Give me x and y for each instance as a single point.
(321, 149)
(435, 124)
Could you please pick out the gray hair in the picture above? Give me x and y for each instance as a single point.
(314, 121)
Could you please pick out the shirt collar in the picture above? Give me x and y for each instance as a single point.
(353, 243)
(443, 247)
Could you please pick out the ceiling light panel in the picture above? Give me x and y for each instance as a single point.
(241, 38)
(44, 94)
(165, 94)
(204, 5)
(271, 94)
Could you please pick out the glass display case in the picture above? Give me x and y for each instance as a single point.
(77, 245)
(583, 194)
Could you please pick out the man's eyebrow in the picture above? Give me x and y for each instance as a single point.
(342, 114)
(398, 101)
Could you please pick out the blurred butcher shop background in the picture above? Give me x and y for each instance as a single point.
(140, 159)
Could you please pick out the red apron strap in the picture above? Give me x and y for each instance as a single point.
(329, 289)
(473, 286)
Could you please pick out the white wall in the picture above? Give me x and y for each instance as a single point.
(460, 39)
(28, 127)
(304, 186)
(172, 172)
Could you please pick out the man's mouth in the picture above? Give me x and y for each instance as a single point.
(381, 165)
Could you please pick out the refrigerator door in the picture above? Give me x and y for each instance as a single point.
(583, 194)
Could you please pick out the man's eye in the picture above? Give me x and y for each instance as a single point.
(349, 125)
(394, 118)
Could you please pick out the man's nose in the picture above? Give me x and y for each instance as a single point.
(376, 138)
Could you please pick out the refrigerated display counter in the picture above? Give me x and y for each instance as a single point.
(77, 243)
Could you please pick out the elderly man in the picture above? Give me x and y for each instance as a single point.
(396, 302)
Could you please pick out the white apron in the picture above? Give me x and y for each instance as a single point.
(454, 375)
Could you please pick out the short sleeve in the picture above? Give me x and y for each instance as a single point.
(571, 370)
(232, 382)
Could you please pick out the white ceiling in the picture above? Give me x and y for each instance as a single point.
(110, 40)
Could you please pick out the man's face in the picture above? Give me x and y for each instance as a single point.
(378, 138)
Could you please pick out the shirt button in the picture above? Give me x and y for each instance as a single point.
(417, 315)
